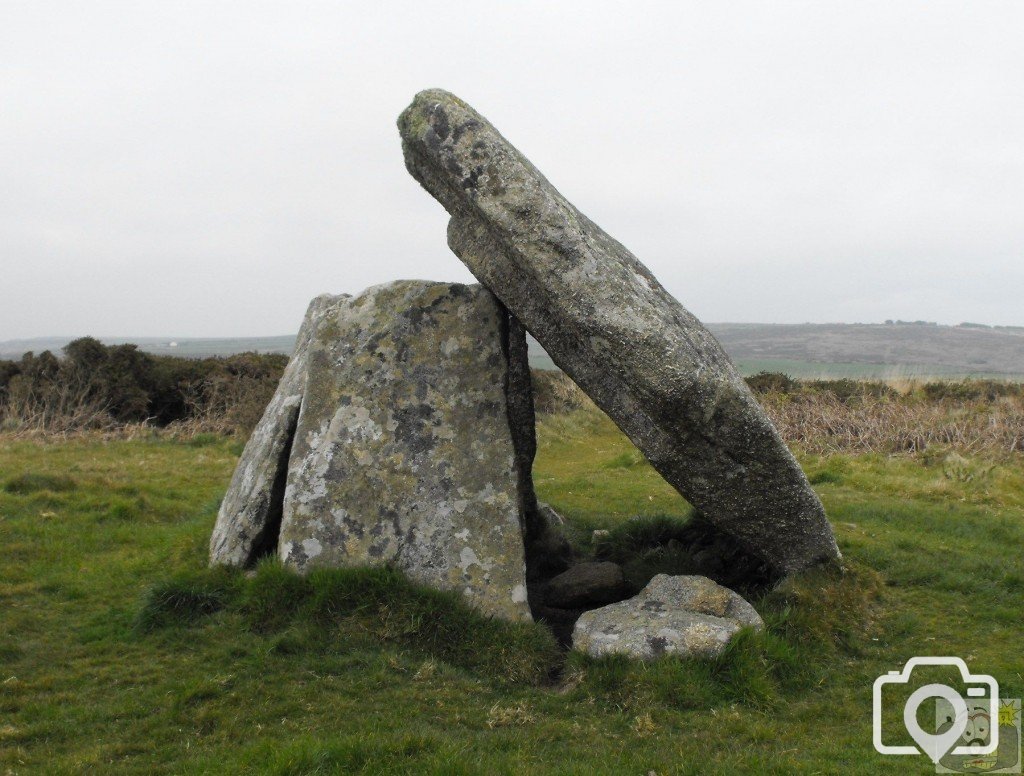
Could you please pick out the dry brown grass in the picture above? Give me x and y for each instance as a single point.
(822, 423)
(555, 394)
(58, 413)
(848, 417)
(817, 417)
(225, 408)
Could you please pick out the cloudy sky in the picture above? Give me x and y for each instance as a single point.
(204, 169)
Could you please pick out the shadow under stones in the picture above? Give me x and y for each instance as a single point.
(564, 581)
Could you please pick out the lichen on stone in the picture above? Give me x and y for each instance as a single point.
(404, 454)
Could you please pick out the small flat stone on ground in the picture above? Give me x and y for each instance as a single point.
(677, 615)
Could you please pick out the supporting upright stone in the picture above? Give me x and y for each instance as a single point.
(411, 448)
(605, 320)
(250, 514)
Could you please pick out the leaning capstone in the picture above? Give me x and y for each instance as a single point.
(409, 448)
(607, 322)
(684, 615)
(250, 513)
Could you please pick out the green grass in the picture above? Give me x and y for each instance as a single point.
(31, 482)
(632, 537)
(120, 653)
(335, 609)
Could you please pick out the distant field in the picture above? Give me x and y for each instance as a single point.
(879, 351)
(874, 350)
(810, 370)
(166, 346)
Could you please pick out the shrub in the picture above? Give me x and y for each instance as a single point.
(186, 599)
(971, 390)
(772, 382)
(101, 386)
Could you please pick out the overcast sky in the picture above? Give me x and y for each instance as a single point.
(205, 169)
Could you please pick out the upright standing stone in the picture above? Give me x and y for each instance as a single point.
(605, 320)
(409, 450)
(250, 514)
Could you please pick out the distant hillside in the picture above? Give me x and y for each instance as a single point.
(800, 350)
(167, 346)
(880, 350)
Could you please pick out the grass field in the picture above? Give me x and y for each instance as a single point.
(119, 654)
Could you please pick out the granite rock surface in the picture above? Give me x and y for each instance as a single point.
(680, 615)
(409, 449)
(614, 329)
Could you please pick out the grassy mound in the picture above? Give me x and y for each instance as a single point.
(336, 608)
(34, 483)
(810, 621)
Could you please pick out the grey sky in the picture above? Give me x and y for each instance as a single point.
(205, 169)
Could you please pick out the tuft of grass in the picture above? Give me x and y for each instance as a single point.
(501, 715)
(825, 477)
(825, 610)
(627, 459)
(270, 598)
(185, 599)
(204, 439)
(33, 483)
(635, 687)
(374, 753)
(634, 537)
(125, 508)
(833, 472)
(10, 651)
